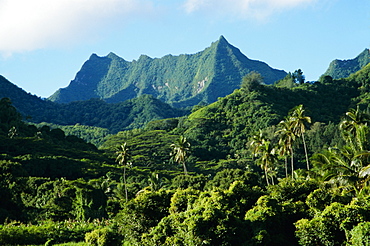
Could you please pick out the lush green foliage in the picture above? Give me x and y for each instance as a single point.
(238, 188)
(134, 113)
(91, 134)
(16, 233)
(103, 237)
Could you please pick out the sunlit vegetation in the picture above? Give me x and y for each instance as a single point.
(283, 164)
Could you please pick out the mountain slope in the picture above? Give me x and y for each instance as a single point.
(26, 104)
(134, 113)
(183, 80)
(343, 68)
(224, 127)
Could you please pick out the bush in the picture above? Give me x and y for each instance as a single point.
(360, 234)
(26, 234)
(103, 237)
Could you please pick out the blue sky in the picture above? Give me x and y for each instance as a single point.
(44, 43)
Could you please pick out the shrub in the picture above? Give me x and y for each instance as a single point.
(26, 234)
(360, 234)
(103, 237)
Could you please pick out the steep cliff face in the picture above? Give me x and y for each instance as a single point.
(343, 68)
(183, 80)
(84, 86)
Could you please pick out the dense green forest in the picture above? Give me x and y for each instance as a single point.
(91, 134)
(281, 164)
(131, 114)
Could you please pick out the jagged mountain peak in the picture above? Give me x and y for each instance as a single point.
(144, 57)
(222, 40)
(113, 56)
(93, 56)
(364, 57)
(110, 55)
(182, 81)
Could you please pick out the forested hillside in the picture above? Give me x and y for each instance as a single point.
(182, 81)
(134, 113)
(32, 156)
(281, 164)
(91, 134)
(343, 68)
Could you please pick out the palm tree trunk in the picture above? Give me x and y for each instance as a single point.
(185, 170)
(305, 151)
(292, 161)
(267, 179)
(286, 166)
(124, 181)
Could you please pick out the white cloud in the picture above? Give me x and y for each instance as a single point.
(259, 9)
(34, 24)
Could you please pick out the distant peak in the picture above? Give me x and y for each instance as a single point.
(222, 40)
(93, 55)
(112, 55)
(365, 52)
(144, 57)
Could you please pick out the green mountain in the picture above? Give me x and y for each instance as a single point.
(223, 130)
(26, 104)
(133, 113)
(343, 68)
(182, 81)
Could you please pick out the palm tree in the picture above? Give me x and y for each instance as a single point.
(262, 148)
(353, 119)
(267, 160)
(341, 168)
(348, 166)
(123, 157)
(180, 150)
(299, 121)
(286, 140)
(155, 181)
(257, 142)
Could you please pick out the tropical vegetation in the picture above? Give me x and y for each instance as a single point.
(281, 164)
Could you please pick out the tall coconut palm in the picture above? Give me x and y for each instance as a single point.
(180, 150)
(299, 121)
(262, 150)
(286, 140)
(123, 158)
(257, 142)
(267, 160)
